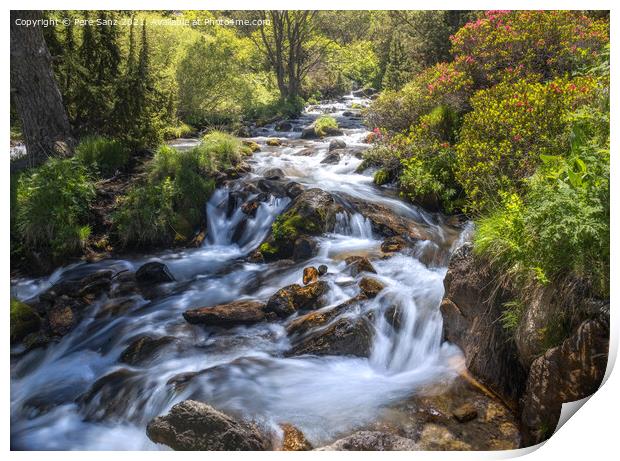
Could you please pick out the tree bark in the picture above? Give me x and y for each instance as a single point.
(36, 95)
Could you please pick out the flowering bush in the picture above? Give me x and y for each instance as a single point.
(511, 44)
(444, 84)
(510, 127)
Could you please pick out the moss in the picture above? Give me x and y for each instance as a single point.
(288, 226)
(274, 142)
(268, 249)
(251, 146)
(24, 320)
(382, 177)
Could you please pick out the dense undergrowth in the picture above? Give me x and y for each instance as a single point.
(514, 132)
(52, 205)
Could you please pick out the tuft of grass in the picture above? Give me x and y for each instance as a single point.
(323, 125)
(181, 130)
(52, 205)
(169, 206)
(106, 155)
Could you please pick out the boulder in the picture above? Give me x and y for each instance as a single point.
(393, 244)
(292, 298)
(371, 441)
(359, 264)
(196, 426)
(230, 314)
(472, 321)
(387, 223)
(273, 174)
(154, 272)
(370, 287)
(284, 126)
(304, 248)
(347, 335)
(251, 145)
(305, 324)
(293, 189)
(250, 207)
(24, 321)
(572, 371)
(311, 274)
(331, 159)
(322, 269)
(61, 318)
(143, 349)
(336, 144)
(293, 439)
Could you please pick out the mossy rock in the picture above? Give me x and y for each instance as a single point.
(251, 147)
(274, 142)
(24, 320)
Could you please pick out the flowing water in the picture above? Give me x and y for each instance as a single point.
(248, 374)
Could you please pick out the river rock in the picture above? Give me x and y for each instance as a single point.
(572, 371)
(293, 189)
(196, 426)
(292, 298)
(154, 272)
(336, 144)
(251, 145)
(273, 173)
(109, 396)
(284, 126)
(250, 207)
(359, 264)
(344, 336)
(230, 314)
(466, 412)
(143, 348)
(370, 287)
(61, 318)
(293, 439)
(331, 159)
(311, 274)
(305, 324)
(393, 244)
(387, 223)
(322, 269)
(24, 321)
(371, 441)
(304, 248)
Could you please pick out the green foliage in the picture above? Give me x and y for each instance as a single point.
(510, 45)
(52, 208)
(510, 127)
(324, 124)
(382, 176)
(512, 315)
(169, 205)
(106, 155)
(440, 85)
(24, 320)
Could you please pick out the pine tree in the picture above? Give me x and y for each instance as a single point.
(397, 71)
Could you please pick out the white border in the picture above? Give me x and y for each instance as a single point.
(591, 434)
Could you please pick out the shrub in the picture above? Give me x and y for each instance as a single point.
(561, 227)
(106, 155)
(510, 127)
(441, 85)
(52, 208)
(324, 124)
(503, 45)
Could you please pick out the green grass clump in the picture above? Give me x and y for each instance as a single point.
(181, 130)
(106, 155)
(52, 208)
(169, 205)
(323, 125)
(381, 177)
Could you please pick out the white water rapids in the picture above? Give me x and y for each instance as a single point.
(324, 397)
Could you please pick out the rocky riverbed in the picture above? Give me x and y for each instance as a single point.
(308, 317)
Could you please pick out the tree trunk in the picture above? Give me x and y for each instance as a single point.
(36, 95)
